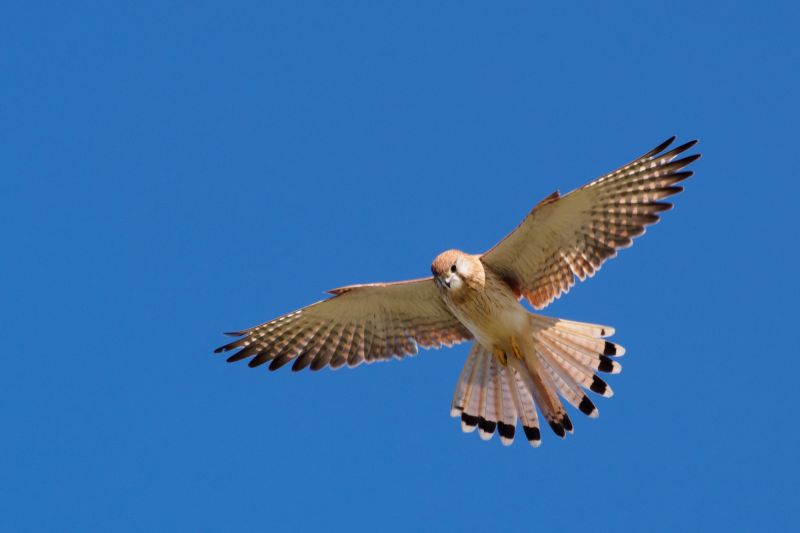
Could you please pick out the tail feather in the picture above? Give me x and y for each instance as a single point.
(525, 407)
(590, 338)
(491, 395)
(567, 387)
(579, 355)
(536, 379)
(582, 328)
(470, 415)
(590, 345)
(462, 386)
(506, 409)
(484, 397)
(487, 420)
(584, 377)
(591, 361)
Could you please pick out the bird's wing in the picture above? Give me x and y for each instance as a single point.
(564, 237)
(359, 323)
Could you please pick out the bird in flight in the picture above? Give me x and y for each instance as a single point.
(520, 361)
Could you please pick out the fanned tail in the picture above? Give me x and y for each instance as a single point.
(491, 395)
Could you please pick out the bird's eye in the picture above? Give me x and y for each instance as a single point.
(453, 268)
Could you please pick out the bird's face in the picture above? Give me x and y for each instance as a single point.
(450, 270)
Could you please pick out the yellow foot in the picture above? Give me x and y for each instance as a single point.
(501, 356)
(515, 348)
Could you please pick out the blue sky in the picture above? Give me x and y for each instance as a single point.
(175, 170)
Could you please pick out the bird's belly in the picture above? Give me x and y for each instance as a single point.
(493, 321)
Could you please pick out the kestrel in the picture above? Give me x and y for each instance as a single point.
(520, 361)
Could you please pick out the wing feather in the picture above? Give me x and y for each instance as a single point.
(572, 236)
(359, 323)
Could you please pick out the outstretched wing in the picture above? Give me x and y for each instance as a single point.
(359, 323)
(564, 237)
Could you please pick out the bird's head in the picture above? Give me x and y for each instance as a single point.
(453, 269)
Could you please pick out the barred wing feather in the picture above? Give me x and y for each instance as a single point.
(572, 236)
(360, 323)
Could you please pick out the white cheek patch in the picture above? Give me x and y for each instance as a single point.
(464, 268)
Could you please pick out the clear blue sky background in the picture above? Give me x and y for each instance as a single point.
(174, 170)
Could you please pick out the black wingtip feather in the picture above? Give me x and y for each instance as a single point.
(661, 147)
(666, 192)
(659, 207)
(567, 423)
(678, 150)
(688, 160)
(244, 353)
(610, 348)
(258, 360)
(685, 146)
(680, 176)
(317, 364)
(279, 362)
(228, 347)
(301, 362)
(236, 357)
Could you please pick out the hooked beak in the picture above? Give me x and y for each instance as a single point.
(442, 282)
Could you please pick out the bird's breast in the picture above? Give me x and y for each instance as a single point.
(492, 313)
